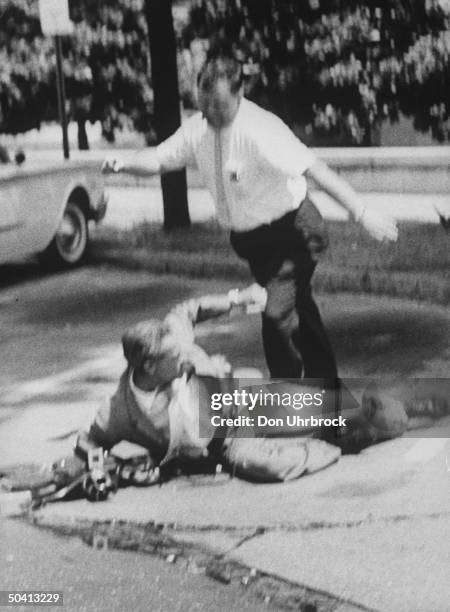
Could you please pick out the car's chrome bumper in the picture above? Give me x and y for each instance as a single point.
(100, 211)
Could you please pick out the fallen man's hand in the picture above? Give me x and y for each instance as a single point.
(253, 298)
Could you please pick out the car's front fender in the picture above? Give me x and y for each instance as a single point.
(40, 195)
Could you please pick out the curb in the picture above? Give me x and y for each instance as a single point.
(192, 551)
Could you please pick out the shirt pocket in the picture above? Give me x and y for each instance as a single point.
(238, 178)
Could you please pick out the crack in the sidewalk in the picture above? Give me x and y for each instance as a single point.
(258, 532)
(370, 520)
(290, 527)
(316, 526)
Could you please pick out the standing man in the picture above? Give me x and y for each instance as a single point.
(256, 170)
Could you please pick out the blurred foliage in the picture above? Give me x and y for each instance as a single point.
(26, 66)
(106, 67)
(333, 70)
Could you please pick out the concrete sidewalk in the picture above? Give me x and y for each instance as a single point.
(129, 206)
(368, 533)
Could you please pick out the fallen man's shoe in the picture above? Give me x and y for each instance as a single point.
(426, 411)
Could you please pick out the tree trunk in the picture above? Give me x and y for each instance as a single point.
(167, 104)
(83, 142)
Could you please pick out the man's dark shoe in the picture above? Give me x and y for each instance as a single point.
(381, 418)
(386, 416)
(433, 407)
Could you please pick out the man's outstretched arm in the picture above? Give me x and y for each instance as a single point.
(376, 224)
(174, 153)
(187, 314)
(143, 163)
(250, 299)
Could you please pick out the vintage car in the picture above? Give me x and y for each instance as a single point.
(45, 209)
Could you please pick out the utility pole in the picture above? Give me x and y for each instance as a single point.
(55, 21)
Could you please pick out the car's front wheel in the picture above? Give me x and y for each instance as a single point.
(70, 242)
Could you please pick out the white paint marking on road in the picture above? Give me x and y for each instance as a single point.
(26, 390)
(424, 450)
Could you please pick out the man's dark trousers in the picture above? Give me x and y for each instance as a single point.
(282, 257)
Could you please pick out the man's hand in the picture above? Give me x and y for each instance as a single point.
(380, 227)
(253, 298)
(113, 165)
(142, 163)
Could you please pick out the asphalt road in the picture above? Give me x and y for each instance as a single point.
(54, 322)
(96, 581)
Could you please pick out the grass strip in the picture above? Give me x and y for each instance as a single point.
(417, 266)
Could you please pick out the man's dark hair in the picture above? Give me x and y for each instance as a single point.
(218, 67)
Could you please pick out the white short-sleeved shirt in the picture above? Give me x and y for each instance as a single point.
(253, 168)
